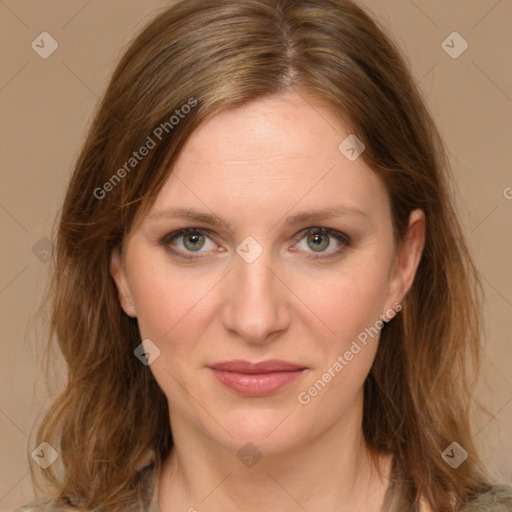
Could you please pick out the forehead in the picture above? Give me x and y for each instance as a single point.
(273, 154)
(268, 130)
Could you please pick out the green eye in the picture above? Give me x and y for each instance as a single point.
(193, 241)
(317, 241)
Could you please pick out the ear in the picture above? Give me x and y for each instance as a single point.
(407, 259)
(123, 290)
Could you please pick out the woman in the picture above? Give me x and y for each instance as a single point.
(261, 290)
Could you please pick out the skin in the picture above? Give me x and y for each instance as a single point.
(254, 167)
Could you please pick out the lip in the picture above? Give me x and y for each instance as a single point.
(256, 379)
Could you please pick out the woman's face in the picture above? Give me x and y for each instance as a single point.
(256, 286)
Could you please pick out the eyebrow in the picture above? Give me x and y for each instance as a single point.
(299, 218)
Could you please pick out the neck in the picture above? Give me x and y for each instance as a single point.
(330, 472)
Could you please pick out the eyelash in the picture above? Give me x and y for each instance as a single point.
(341, 237)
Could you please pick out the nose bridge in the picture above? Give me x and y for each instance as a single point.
(254, 307)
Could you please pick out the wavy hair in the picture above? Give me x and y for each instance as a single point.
(213, 55)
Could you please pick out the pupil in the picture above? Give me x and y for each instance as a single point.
(191, 241)
(318, 240)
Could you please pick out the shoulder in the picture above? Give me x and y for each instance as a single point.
(43, 505)
(497, 499)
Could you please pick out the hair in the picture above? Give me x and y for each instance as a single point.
(211, 56)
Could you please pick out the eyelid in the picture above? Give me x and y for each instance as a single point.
(333, 233)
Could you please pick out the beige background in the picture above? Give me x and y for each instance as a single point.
(46, 105)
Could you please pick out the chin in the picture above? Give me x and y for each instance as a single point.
(271, 430)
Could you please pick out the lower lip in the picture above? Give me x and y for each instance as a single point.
(256, 384)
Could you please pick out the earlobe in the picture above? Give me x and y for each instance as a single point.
(408, 257)
(123, 291)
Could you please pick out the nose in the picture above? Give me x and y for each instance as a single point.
(255, 303)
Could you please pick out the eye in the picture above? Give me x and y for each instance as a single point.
(185, 242)
(192, 240)
(319, 239)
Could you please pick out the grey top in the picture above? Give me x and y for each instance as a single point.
(497, 499)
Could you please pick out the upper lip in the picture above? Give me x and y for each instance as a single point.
(270, 365)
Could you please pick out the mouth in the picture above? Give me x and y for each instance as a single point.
(256, 379)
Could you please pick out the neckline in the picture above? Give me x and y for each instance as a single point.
(393, 498)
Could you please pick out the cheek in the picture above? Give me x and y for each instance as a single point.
(168, 301)
(351, 300)
(350, 306)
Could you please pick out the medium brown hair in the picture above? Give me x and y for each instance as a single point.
(222, 54)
